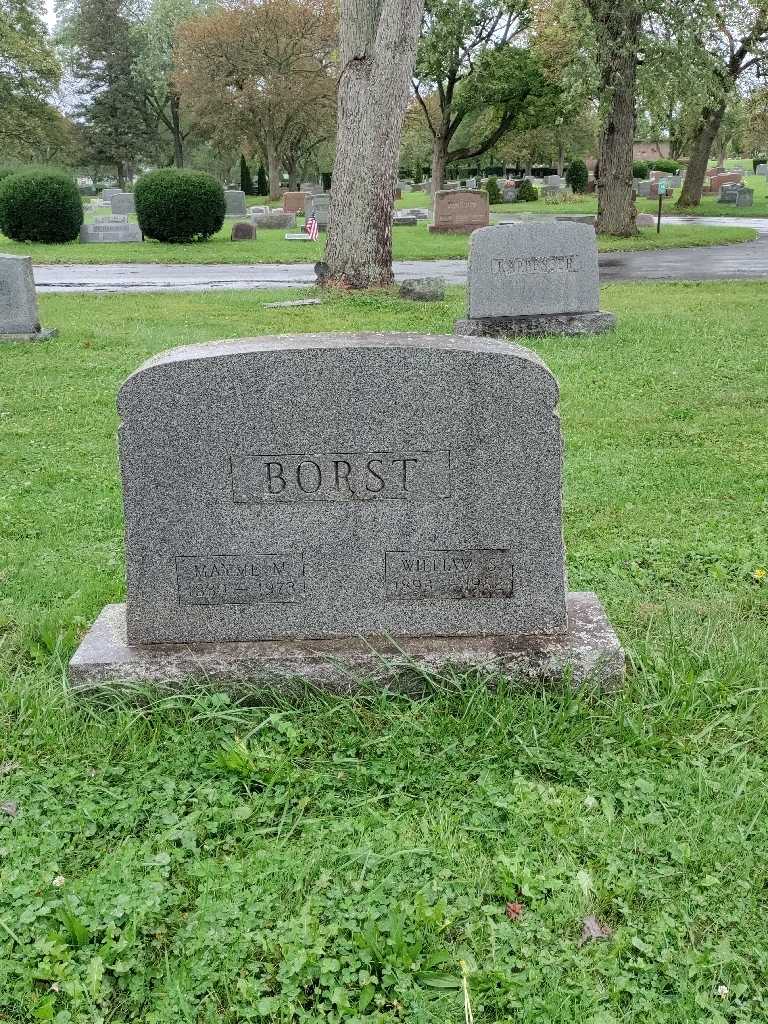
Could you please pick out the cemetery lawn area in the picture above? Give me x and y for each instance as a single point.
(270, 246)
(177, 859)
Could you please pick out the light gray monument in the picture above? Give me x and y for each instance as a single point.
(292, 503)
(235, 203)
(111, 229)
(319, 210)
(532, 278)
(274, 219)
(762, 170)
(123, 202)
(18, 301)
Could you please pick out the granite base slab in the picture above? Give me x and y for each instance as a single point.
(535, 325)
(454, 229)
(588, 653)
(35, 336)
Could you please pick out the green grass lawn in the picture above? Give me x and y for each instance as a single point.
(414, 243)
(188, 860)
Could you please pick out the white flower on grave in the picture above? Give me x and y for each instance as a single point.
(58, 881)
(722, 991)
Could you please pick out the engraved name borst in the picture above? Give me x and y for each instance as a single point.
(239, 579)
(342, 476)
(448, 575)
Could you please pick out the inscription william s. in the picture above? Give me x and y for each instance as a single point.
(468, 574)
(341, 476)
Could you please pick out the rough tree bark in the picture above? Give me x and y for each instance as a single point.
(439, 153)
(178, 138)
(378, 50)
(618, 31)
(696, 170)
(273, 171)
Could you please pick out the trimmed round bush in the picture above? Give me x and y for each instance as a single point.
(577, 175)
(640, 169)
(179, 206)
(668, 166)
(526, 192)
(40, 206)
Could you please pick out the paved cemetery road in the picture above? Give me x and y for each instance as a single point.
(708, 263)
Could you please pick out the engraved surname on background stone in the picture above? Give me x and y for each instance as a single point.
(341, 476)
(239, 579)
(511, 265)
(448, 575)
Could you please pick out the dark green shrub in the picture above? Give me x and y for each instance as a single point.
(246, 181)
(179, 206)
(526, 193)
(40, 206)
(494, 192)
(577, 175)
(640, 169)
(668, 166)
(262, 185)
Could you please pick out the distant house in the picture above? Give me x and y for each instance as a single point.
(650, 149)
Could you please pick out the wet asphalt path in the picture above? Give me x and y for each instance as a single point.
(708, 263)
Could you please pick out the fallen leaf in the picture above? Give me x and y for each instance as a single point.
(514, 910)
(7, 767)
(592, 930)
(9, 807)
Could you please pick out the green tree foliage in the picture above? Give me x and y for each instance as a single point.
(468, 69)
(494, 192)
(577, 175)
(246, 180)
(262, 185)
(29, 73)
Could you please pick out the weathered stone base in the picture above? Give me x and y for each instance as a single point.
(589, 653)
(36, 336)
(455, 229)
(536, 325)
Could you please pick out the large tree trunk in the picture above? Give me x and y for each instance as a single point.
(618, 31)
(378, 41)
(699, 159)
(273, 170)
(178, 144)
(439, 152)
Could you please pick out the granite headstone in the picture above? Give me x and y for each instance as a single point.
(532, 278)
(291, 502)
(123, 203)
(19, 319)
(243, 231)
(235, 203)
(460, 212)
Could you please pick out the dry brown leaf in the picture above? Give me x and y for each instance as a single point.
(514, 910)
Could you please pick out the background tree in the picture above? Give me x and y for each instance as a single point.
(733, 35)
(755, 139)
(378, 48)
(246, 181)
(618, 33)
(260, 74)
(465, 64)
(29, 74)
(262, 185)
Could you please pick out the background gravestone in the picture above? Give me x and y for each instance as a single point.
(285, 496)
(235, 203)
(123, 202)
(111, 229)
(243, 231)
(293, 202)
(18, 301)
(319, 210)
(534, 277)
(460, 212)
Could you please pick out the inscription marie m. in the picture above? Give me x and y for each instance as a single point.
(239, 579)
(341, 476)
(509, 266)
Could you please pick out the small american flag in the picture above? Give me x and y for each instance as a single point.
(311, 228)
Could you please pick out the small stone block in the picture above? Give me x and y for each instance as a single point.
(587, 653)
(243, 231)
(423, 289)
(298, 236)
(36, 336)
